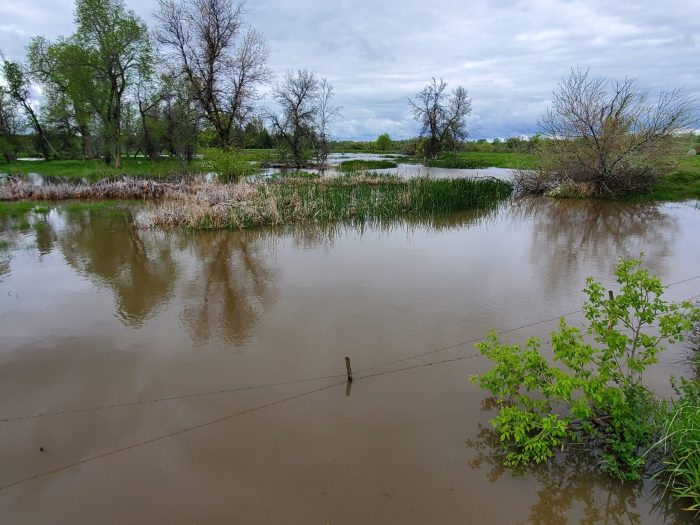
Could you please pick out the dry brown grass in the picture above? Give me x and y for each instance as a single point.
(126, 189)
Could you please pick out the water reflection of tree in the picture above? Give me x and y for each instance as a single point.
(136, 264)
(45, 235)
(569, 484)
(567, 232)
(232, 287)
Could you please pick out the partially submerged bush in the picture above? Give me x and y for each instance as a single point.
(230, 166)
(611, 135)
(593, 394)
(533, 182)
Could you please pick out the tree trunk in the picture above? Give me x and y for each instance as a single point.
(117, 134)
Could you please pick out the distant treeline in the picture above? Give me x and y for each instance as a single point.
(116, 87)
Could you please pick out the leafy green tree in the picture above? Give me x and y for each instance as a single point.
(71, 90)
(256, 135)
(10, 126)
(591, 394)
(116, 49)
(19, 89)
(384, 142)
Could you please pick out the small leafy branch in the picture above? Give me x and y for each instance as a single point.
(592, 394)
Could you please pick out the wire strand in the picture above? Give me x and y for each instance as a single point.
(165, 436)
(211, 422)
(194, 395)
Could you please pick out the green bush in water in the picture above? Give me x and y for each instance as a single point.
(229, 166)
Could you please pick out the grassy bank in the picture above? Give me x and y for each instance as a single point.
(349, 166)
(324, 200)
(96, 169)
(680, 447)
(682, 184)
(22, 209)
(478, 159)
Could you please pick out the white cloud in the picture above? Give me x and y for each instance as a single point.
(509, 54)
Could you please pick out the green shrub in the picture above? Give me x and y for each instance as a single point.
(230, 166)
(592, 394)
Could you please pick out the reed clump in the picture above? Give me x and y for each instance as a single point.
(680, 446)
(327, 199)
(205, 204)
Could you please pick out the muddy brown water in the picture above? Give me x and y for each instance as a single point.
(183, 377)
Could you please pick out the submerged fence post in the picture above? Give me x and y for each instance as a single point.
(611, 295)
(347, 367)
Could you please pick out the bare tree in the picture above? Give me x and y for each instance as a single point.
(612, 136)
(295, 126)
(325, 115)
(223, 64)
(442, 115)
(182, 119)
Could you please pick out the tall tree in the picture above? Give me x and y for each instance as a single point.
(19, 89)
(326, 113)
(223, 64)
(181, 119)
(117, 49)
(10, 126)
(442, 115)
(72, 92)
(297, 96)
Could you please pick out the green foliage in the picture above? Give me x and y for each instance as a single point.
(95, 170)
(592, 393)
(230, 165)
(476, 159)
(384, 142)
(19, 209)
(681, 184)
(349, 166)
(116, 49)
(680, 444)
(255, 135)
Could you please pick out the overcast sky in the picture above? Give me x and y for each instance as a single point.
(508, 54)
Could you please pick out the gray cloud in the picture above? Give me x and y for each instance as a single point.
(509, 54)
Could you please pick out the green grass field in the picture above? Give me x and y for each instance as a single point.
(478, 159)
(94, 170)
(681, 184)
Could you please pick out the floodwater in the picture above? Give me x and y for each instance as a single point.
(181, 377)
(403, 170)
